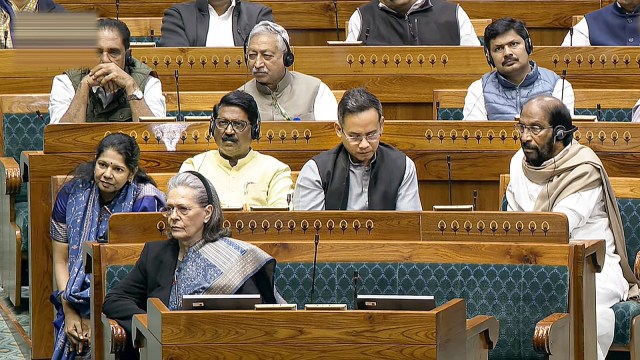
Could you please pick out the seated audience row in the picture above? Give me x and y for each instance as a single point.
(551, 172)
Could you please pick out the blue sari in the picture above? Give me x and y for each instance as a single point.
(87, 220)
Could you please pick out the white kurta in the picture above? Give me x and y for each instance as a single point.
(587, 221)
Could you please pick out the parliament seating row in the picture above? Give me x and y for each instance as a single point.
(604, 104)
(403, 77)
(477, 272)
(472, 146)
(313, 22)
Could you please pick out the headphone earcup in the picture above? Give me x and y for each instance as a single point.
(288, 58)
(560, 133)
(487, 55)
(255, 130)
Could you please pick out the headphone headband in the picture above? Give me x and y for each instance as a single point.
(205, 183)
(288, 58)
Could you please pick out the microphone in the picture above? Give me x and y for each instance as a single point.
(289, 198)
(355, 288)
(240, 34)
(39, 114)
(335, 7)
(117, 9)
(475, 199)
(5, 45)
(571, 36)
(315, 265)
(437, 110)
(152, 34)
(564, 78)
(177, 76)
(366, 36)
(598, 112)
(449, 175)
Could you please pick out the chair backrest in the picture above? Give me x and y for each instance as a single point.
(517, 293)
(615, 104)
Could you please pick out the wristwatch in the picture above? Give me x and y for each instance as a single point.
(136, 95)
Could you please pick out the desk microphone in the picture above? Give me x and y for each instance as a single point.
(39, 114)
(475, 200)
(117, 9)
(564, 78)
(437, 110)
(177, 76)
(449, 176)
(598, 112)
(315, 265)
(152, 34)
(366, 36)
(355, 288)
(571, 36)
(335, 7)
(5, 45)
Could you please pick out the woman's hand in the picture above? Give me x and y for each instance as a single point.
(77, 329)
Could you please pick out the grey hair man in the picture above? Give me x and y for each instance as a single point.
(282, 94)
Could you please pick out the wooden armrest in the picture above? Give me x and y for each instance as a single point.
(12, 174)
(552, 335)
(595, 249)
(118, 337)
(487, 326)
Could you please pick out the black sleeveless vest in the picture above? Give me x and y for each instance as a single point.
(387, 172)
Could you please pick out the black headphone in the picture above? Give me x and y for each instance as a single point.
(528, 46)
(207, 188)
(560, 132)
(287, 57)
(255, 128)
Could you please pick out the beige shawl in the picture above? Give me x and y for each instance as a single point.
(580, 169)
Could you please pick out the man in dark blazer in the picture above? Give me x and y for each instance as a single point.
(188, 24)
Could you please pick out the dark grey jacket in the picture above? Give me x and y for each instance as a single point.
(187, 24)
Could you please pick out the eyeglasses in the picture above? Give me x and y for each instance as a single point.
(181, 210)
(533, 129)
(357, 139)
(236, 125)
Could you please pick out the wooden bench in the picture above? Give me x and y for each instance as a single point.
(381, 255)
(403, 77)
(627, 192)
(472, 145)
(605, 104)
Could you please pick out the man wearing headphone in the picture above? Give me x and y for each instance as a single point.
(500, 94)
(242, 176)
(282, 94)
(120, 88)
(553, 172)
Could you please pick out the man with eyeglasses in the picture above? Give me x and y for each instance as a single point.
(361, 173)
(500, 94)
(553, 172)
(242, 176)
(120, 88)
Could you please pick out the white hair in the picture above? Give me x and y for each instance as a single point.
(270, 28)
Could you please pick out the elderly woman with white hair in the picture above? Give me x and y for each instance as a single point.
(198, 258)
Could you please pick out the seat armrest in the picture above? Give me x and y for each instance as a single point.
(115, 334)
(11, 175)
(552, 336)
(485, 326)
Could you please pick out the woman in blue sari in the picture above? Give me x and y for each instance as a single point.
(198, 258)
(111, 183)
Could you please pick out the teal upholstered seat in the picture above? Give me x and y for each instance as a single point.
(517, 295)
(450, 114)
(191, 113)
(627, 310)
(145, 39)
(619, 115)
(22, 132)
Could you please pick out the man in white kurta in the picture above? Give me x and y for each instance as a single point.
(552, 172)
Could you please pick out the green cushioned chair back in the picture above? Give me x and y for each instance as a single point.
(114, 274)
(191, 113)
(614, 114)
(450, 114)
(517, 295)
(22, 132)
(145, 39)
